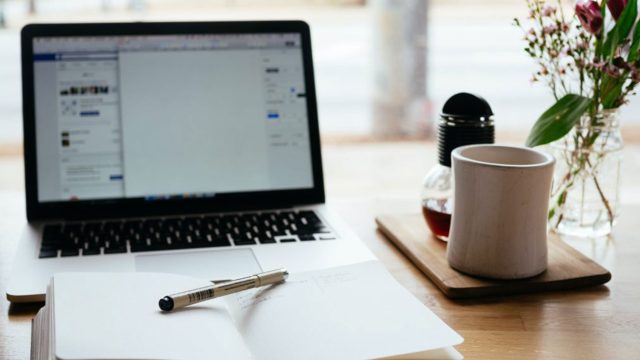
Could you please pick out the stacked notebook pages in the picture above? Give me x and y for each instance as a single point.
(354, 311)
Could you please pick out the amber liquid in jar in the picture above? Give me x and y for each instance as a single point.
(438, 217)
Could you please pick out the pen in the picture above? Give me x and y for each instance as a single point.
(186, 298)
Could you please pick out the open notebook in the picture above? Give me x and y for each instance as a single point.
(350, 312)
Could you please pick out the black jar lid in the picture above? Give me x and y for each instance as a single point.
(466, 119)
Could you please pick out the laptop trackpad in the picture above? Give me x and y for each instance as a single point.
(207, 265)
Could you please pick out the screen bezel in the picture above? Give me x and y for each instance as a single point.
(134, 207)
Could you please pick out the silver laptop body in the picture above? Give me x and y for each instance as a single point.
(188, 148)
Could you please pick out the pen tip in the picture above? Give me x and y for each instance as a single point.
(166, 304)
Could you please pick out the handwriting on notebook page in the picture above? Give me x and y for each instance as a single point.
(330, 279)
(309, 285)
(251, 298)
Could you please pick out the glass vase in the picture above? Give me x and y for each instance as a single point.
(586, 192)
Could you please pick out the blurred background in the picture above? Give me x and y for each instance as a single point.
(383, 67)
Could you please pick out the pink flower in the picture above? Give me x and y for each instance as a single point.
(612, 71)
(548, 10)
(582, 45)
(549, 29)
(616, 7)
(590, 16)
(598, 64)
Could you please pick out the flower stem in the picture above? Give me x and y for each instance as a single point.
(602, 196)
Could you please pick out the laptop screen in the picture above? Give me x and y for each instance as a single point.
(169, 116)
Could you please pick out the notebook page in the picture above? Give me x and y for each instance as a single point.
(116, 316)
(355, 311)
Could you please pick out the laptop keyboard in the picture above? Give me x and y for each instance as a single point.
(122, 236)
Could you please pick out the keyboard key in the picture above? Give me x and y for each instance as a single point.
(266, 240)
(116, 250)
(47, 253)
(68, 245)
(52, 234)
(48, 247)
(139, 247)
(307, 237)
(69, 252)
(87, 252)
(243, 242)
(220, 242)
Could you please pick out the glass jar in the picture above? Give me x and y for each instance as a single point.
(437, 201)
(586, 192)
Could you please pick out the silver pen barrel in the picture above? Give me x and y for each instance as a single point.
(186, 298)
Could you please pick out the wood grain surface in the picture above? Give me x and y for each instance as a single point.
(567, 267)
(594, 323)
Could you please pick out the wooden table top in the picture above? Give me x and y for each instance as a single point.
(597, 323)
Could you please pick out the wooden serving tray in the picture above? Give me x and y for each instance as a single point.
(568, 268)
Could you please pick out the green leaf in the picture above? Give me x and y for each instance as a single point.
(611, 89)
(635, 44)
(621, 30)
(558, 119)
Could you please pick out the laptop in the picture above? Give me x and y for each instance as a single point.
(189, 148)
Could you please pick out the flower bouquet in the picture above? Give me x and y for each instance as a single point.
(590, 60)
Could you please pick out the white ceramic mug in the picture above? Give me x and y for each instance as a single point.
(501, 199)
